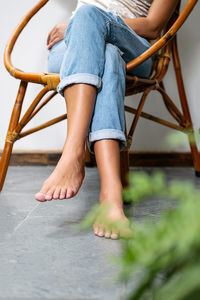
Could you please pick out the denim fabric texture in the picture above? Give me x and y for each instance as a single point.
(96, 47)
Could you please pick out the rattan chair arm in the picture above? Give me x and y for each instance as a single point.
(166, 37)
(43, 78)
(15, 72)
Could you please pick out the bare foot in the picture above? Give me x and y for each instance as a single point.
(111, 221)
(66, 179)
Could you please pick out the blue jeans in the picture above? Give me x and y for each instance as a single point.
(96, 47)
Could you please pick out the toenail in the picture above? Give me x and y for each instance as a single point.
(100, 233)
(107, 235)
(69, 194)
(40, 200)
(114, 236)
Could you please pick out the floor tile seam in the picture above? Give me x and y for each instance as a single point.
(26, 218)
(45, 216)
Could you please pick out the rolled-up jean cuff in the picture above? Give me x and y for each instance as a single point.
(106, 134)
(79, 78)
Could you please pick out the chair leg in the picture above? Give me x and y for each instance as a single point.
(5, 159)
(124, 167)
(124, 161)
(185, 107)
(11, 134)
(194, 151)
(89, 162)
(124, 155)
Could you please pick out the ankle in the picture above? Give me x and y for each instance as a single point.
(77, 149)
(112, 196)
(111, 186)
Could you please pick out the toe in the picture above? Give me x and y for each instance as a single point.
(56, 194)
(100, 231)
(75, 190)
(96, 229)
(62, 194)
(69, 193)
(49, 195)
(107, 234)
(40, 197)
(114, 235)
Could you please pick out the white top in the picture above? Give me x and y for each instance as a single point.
(124, 8)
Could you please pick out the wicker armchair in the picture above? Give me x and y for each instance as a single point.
(163, 48)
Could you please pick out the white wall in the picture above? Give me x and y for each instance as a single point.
(30, 54)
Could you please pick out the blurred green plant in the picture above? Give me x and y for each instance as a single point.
(162, 258)
(166, 253)
(177, 138)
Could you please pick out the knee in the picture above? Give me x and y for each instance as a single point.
(114, 55)
(112, 50)
(86, 10)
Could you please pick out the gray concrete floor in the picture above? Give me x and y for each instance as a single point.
(42, 257)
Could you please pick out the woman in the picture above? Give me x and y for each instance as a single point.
(91, 52)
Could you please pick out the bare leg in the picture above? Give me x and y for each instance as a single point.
(108, 161)
(69, 173)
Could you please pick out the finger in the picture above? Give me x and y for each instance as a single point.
(56, 35)
(51, 33)
(49, 37)
(52, 43)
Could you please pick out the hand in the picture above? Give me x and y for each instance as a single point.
(56, 34)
